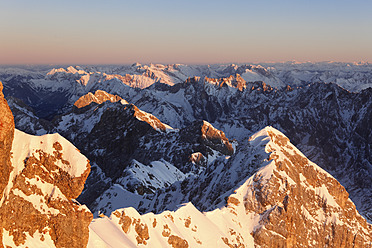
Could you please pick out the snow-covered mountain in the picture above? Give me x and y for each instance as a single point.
(33, 85)
(164, 141)
(288, 201)
(330, 124)
(135, 150)
(354, 76)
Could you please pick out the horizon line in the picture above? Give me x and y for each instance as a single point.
(361, 62)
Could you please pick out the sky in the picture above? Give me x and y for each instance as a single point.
(191, 32)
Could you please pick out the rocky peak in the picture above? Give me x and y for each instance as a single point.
(111, 130)
(261, 86)
(233, 69)
(299, 203)
(98, 97)
(232, 81)
(40, 176)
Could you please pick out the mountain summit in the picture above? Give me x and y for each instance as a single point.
(288, 202)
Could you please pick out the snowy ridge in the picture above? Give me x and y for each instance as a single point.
(186, 227)
(48, 174)
(25, 145)
(288, 188)
(136, 76)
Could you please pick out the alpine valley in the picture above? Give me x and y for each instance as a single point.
(246, 155)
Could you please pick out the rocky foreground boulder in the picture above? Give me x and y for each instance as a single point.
(40, 176)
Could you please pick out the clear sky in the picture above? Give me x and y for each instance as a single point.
(188, 31)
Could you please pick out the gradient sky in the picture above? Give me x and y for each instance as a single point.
(122, 32)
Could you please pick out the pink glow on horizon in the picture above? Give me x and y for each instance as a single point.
(193, 32)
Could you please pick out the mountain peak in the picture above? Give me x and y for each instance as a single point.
(299, 203)
(98, 97)
(289, 201)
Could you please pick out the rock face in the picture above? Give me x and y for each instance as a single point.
(48, 174)
(6, 139)
(40, 178)
(300, 204)
(203, 133)
(288, 202)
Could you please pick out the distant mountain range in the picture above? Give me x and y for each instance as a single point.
(199, 148)
(75, 81)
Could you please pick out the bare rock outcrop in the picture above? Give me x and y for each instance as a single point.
(40, 177)
(209, 137)
(98, 97)
(6, 139)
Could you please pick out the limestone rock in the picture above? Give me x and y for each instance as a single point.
(39, 179)
(6, 139)
(98, 97)
(300, 204)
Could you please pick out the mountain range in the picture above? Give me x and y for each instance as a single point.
(176, 151)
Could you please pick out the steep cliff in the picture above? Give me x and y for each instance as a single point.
(6, 139)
